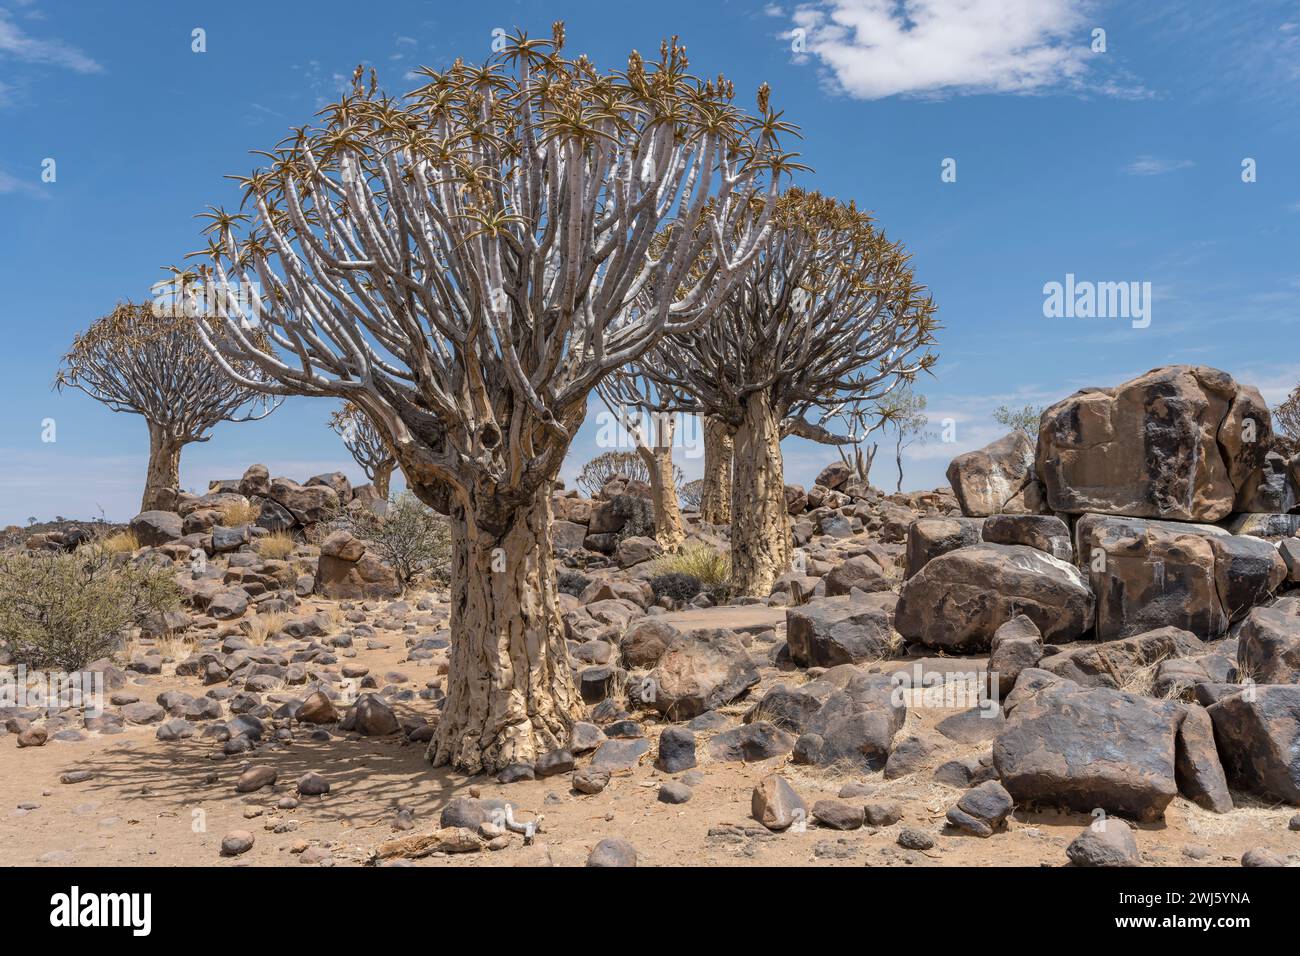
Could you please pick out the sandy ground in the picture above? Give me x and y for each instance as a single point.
(154, 803)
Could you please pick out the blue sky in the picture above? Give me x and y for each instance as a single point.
(1115, 166)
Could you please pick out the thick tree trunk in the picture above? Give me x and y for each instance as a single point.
(760, 522)
(163, 479)
(510, 692)
(383, 475)
(663, 490)
(715, 495)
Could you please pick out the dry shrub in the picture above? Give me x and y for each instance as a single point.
(124, 542)
(277, 545)
(237, 513)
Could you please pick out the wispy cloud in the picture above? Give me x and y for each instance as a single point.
(878, 48)
(18, 45)
(1155, 166)
(12, 184)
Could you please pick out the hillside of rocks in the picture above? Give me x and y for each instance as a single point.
(1100, 622)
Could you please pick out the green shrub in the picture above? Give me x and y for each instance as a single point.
(639, 514)
(412, 537)
(62, 611)
(708, 567)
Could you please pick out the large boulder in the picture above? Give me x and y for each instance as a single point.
(959, 599)
(1258, 736)
(1047, 533)
(1087, 748)
(1115, 663)
(861, 572)
(998, 478)
(335, 480)
(1179, 442)
(927, 538)
(1268, 643)
(856, 725)
(307, 504)
(840, 630)
(153, 528)
(1246, 572)
(703, 671)
(256, 481)
(1148, 575)
(341, 577)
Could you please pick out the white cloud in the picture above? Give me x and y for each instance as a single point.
(12, 184)
(18, 45)
(879, 48)
(1154, 166)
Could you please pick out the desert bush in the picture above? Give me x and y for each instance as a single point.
(124, 542)
(710, 569)
(677, 585)
(237, 513)
(277, 545)
(413, 538)
(638, 516)
(62, 611)
(571, 582)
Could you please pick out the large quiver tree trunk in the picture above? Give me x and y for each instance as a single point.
(715, 495)
(760, 522)
(510, 693)
(163, 480)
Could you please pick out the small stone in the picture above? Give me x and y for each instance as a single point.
(312, 784)
(674, 792)
(775, 804)
(236, 842)
(255, 778)
(590, 780)
(1108, 842)
(911, 838)
(883, 814)
(838, 814)
(1261, 856)
(612, 852)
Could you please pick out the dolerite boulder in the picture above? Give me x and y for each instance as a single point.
(1148, 575)
(997, 479)
(1258, 736)
(1268, 645)
(1179, 442)
(703, 671)
(1246, 572)
(776, 805)
(1047, 533)
(1107, 842)
(1086, 748)
(840, 630)
(307, 504)
(646, 641)
(1114, 663)
(927, 538)
(959, 599)
(1197, 766)
(1271, 526)
(861, 572)
(1016, 646)
(347, 571)
(856, 725)
(154, 528)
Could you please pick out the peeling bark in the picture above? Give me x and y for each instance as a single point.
(715, 495)
(760, 523)
(162, 481)
(510, 691)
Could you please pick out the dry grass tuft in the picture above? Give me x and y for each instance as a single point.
(261, 626)
(234, 514)
(124, 542)
(277, 546)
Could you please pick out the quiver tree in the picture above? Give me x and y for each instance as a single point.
(460, 264)
(828, 312)
(642, 414)
(1286, 425)
(366, 445)
(715, 492)
(608, 465)
(152, 362)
